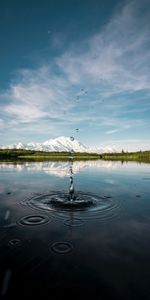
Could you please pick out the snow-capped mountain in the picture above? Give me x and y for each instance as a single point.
(60, 144)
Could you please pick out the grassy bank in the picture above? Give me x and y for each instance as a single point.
(31, 155)
(140, 156)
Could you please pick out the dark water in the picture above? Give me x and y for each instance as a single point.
(103, 246)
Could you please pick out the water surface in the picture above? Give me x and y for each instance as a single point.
(104, 246)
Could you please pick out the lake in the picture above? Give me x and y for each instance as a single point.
(103, 246)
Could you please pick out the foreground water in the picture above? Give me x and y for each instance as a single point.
(103, 245)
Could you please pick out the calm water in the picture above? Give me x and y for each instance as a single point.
(105, 246)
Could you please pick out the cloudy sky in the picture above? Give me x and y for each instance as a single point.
(67, 64)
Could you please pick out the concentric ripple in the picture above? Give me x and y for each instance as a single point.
(14, 242)
(74, 222)
(61, 247)
(85, 205)
(33, 220)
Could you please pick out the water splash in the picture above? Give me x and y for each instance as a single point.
(85, 205)
(71, 187)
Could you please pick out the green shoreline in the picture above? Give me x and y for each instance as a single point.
(31, 155)
(140, 156)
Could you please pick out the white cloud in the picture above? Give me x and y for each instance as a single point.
(37, 94)
(115, 58)
(112, 131)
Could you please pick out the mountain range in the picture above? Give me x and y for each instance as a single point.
(60, 144)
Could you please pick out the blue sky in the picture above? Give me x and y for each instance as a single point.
(67, 64)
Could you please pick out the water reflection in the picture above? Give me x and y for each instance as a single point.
(62, 169)
(104, 246)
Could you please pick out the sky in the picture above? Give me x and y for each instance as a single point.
(68, 64)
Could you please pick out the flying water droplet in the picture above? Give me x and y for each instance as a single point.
(77, 99)
(72, 138)
(71, 171)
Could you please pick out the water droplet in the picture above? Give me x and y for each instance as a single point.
(71, 189)
(61, 247)
(72, 138)
(34, 220)
(77, 129)
(71, 171)
(77, 99)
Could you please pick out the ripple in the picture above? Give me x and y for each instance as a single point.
(61, 247)
(87, 205)
(10, 225)
(14, 242)
(33, 220)
(74, 222)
